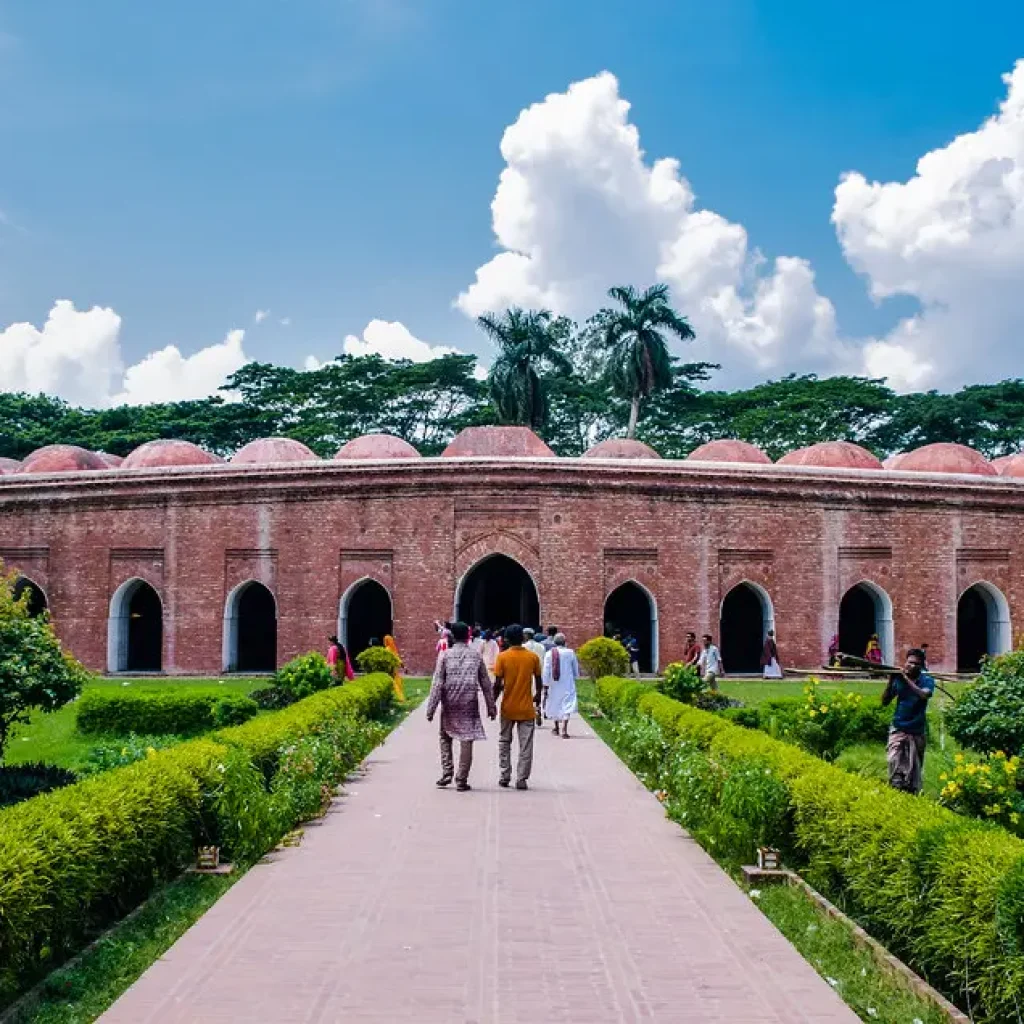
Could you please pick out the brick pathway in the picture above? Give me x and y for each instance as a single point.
(576, 901)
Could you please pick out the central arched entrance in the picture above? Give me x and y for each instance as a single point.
(982, 626)
(630, 610)
(746, 618)
(864, 611)
(250, 629)
(135, 630)
(36, 598)
(497, 592)
(365, 616)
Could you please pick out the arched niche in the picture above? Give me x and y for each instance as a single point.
(364, 615)
(250, 629)
(135, 628)
(982, 626)
(495, 592)
(631, 609)
(37, 603)
(746, 616)
(866, 610)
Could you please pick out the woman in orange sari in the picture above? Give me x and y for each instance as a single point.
(389, 643)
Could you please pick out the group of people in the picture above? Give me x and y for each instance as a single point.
(706, 658)
(340, 663)
(528, 680)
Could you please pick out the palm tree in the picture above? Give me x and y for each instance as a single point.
(526, 342)
(634, 336)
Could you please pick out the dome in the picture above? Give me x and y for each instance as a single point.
(1010, 465)
(377, 446)
(273, 449)
(947, 458)
(61, 458)
(112, 461)
(729, 450)
(894, 461)
(507, 442)
(621, 448)
(159, 454)
(9, 466)
(832, 455)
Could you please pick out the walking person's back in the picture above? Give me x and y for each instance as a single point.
(517, 675)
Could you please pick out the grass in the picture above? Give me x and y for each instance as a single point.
(83, 989)
(53, 738)
(830, 947)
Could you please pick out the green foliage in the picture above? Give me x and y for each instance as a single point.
(945, 892)
(304, 675)
(378, 659)
(681, 682)
(273, 698)
(123, 750)
(21, 781)
(989, 714)
(183, 711)
(603, 656)
(986, 788)
(35, 674)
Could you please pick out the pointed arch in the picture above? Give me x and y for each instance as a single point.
(746, 615)
(37, 601)
(135, 628)
(250, 629)
(365, 613)
(497, 590)
(982, 625)
(631, 607)
(864, 610)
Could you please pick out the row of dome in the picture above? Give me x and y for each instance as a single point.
(511, 442)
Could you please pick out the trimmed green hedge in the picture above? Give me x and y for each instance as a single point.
(943, 891)
(183, 712)
(75, 860)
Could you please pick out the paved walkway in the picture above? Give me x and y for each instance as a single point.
(576, 901)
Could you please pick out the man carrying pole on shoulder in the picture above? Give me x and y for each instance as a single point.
(911, 689)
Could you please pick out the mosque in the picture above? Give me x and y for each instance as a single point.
(175, 561)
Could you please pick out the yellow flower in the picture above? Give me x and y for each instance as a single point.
(824, 709)
(1015, 817)
(943, 776)
(812, 713)
(150, 752)
(986, 769)
(958, 757)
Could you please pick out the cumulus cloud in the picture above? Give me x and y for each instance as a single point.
(393, 340)
(76, 355)
(579, 207)
(260, 315)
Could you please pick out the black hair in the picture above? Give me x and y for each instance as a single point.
(460, 632)
(916, 652)
(552, 630)
(514, 635)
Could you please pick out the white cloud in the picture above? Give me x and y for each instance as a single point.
(392, 340)
(76, 355)
(951, 237)
(578, 208)
(285, 321)
(260, 315)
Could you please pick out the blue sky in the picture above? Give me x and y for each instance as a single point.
(334, 161)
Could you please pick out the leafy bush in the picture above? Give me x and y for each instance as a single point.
(987, 789)
(945, 892)
(713, 700)
(304, 675)
(681, 682)
(124, 750)
(603, 656)
(21, 781)
(35, 674)
(989, 714)
(378, 659)
(160, 712)
(273, 698)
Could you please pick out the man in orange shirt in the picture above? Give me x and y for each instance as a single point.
(517, 676)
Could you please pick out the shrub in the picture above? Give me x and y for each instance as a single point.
(681, 682)
(989, 714)
(35, 674)
(603, 656)
(124, 750)
(161, 712)
(21, 781)
(304, 675)
(378, 659)
(273, 698)
(986, 789)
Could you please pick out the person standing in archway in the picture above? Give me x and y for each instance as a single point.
(459, 674)
(561, 670)
(517, 677)
(770, 667)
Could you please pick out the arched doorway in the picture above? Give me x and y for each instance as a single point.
(982, 626)
(630, 609)
(135, 630)
(365, 616)
(497, 592)
(746, 618)
(864, 611)
(250, 629)
(36, 598)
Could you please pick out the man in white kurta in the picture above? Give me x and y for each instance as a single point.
(561, 670)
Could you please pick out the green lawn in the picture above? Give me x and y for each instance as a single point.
(53, 738)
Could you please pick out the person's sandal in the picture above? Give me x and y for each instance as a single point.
(462, 786)
(522, 785)
(504, 783)
(445, 780)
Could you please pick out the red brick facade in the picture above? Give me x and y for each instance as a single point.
(686, 532)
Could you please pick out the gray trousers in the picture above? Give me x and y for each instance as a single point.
(447, 761)
(525, 762)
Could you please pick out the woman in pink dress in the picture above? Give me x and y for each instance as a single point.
(338, 661)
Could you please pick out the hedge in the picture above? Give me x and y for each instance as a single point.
(943, 891)
(77, 859)
(183, 712)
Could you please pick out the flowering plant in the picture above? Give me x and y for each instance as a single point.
(986, 788)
